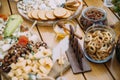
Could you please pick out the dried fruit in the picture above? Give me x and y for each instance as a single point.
(23, 40)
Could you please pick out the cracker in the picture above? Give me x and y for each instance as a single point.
(41, 15)
(34, 14)
(49, 14)
(76, 5)
(68, 14)
(70, 2)
(30, 14)
(73, 6)
(60, 12)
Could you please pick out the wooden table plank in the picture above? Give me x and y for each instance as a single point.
(115, 13)
(70, 76)
(5, 8)
(98, 72)
(49, 37)
(112, 19)
(114, 67)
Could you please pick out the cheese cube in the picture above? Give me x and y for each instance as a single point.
(35, 70)
(13, 66)
(38, 55)
(21, 64)
(43, 70)
(28, 61)
(11, 74)
(20, 59)
(18, 72)
(42, 49)
(47, 52)
(31, 56)
(27, 69)
(25, 76)
(20, 77)
(14, 78)
(42, 61)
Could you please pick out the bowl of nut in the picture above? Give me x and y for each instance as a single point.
(93, 15)
(99, 43)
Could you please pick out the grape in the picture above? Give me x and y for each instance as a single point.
(116, 8)
(114, 1)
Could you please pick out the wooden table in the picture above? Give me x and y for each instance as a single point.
(106, 71)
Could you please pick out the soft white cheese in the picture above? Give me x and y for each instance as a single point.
(41, 4)
(5, 47)
(1, 56)
(34, 38)
(52, 4)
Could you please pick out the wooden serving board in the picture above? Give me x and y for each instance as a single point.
(74, 63)
(57, 69)
(57, 51)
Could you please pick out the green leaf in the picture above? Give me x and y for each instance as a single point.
(116, 8)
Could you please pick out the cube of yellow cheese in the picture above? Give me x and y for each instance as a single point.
(27, 69)
(42, 61)
(14, 78)
(18, 72)
(25, 76)
(13, 66)
(21, 64)
(35, 70)
(11, 74)
(43, 70)
(28, 62)
(20, 59)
